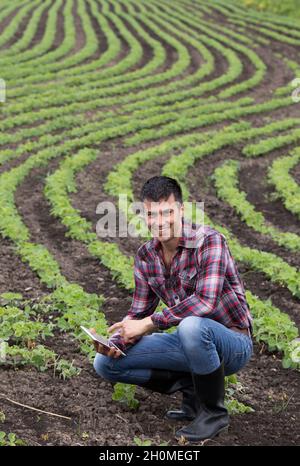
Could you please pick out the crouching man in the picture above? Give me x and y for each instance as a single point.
(190, 268)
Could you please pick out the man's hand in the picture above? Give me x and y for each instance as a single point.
(132, 328)
(112, 352)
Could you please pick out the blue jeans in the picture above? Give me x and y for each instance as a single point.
(197, 345)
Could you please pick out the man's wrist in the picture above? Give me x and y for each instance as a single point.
(149, 324)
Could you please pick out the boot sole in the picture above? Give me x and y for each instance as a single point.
(189, 419)
(220, 433)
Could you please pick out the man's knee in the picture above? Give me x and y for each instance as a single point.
(102, 365)
(194, 328)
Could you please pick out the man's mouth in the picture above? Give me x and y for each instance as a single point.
(161, 231)
(164, 231)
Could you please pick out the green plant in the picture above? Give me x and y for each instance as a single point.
(124, 393)
(142, 443)
(10, 440)
(65, 369)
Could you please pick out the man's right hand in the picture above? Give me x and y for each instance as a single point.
(112, 352)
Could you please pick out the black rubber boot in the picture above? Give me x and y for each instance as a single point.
(189, 407)
(165, 381)
(212, 416)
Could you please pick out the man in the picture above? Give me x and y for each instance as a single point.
(191, 269)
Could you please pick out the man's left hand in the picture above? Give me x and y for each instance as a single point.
(131, 328)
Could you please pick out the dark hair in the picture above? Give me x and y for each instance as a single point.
(161, 187)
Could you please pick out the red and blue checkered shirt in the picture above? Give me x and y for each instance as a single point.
(203, 280)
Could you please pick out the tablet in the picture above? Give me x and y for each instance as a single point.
(100, 339)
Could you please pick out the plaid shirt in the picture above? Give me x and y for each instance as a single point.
(203, 280)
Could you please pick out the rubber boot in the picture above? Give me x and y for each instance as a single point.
(166, 381)
(189, 407)
(212, 416)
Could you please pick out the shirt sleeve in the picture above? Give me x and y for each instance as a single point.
(209, 285)
(144, 303)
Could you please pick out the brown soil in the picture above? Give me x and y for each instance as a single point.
(268, 388)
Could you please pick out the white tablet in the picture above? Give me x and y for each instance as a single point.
(100, 339)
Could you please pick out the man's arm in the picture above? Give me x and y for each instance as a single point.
(144, 303)
(209, 285)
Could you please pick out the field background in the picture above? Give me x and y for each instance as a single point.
(100, 95)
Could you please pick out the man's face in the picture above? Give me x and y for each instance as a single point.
(164, 218)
